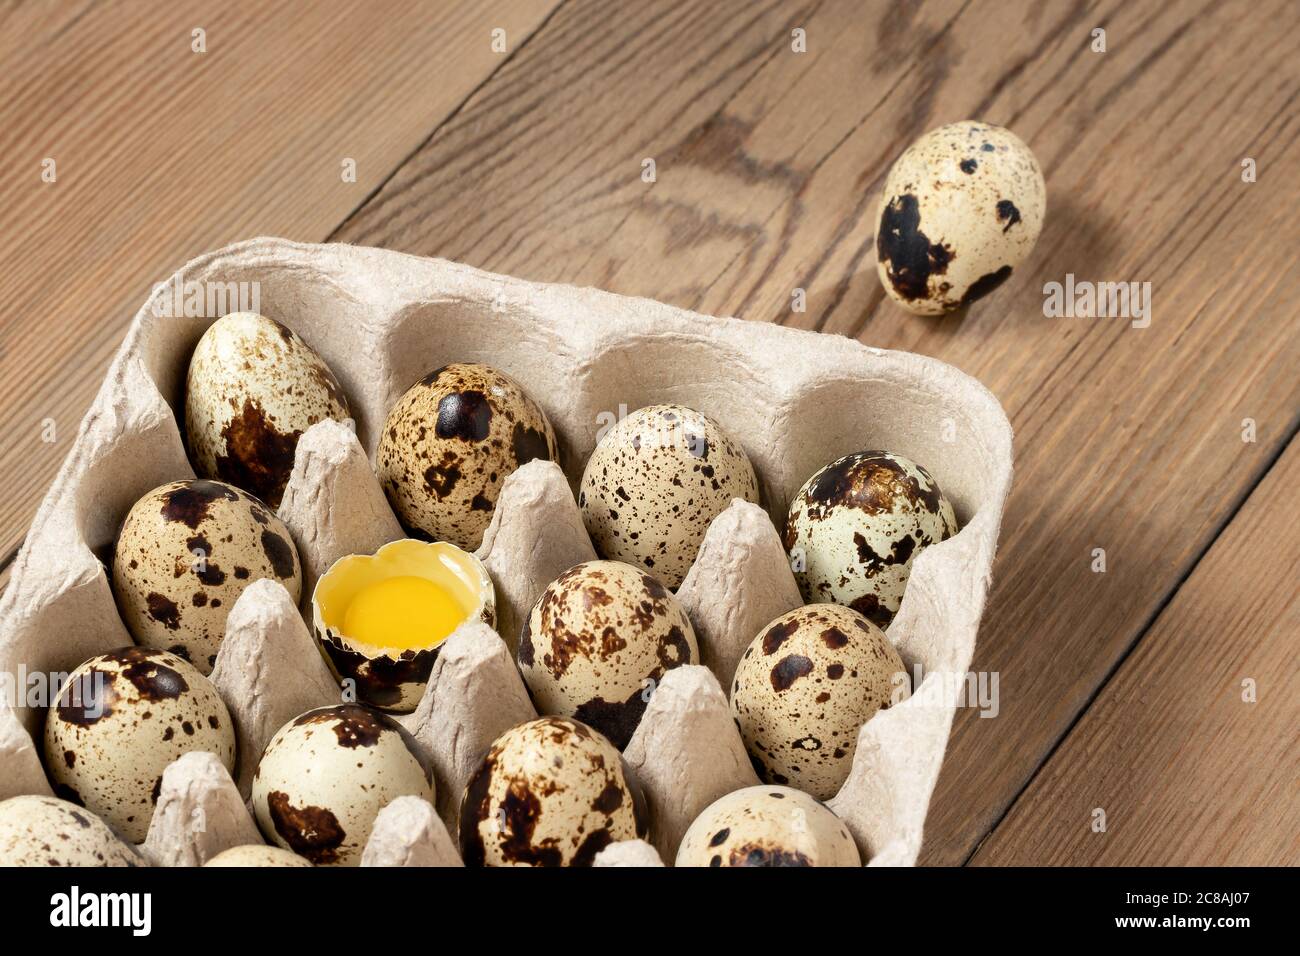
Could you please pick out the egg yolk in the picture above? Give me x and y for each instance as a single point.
(402, 613)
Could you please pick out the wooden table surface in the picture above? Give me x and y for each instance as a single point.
(1161, 695)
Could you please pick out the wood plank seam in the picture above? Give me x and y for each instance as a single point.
(510, 55)
(1142, 633)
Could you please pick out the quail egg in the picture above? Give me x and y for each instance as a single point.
(767, 826)
(598, 641)
(253, 388)
(857, 525)
(185, 552)
(43, 831)
(803, 689)
(654, 483)
(549, 792)
(255, 855)
(449, 444)
(118, 722)
(380, 619)
(960, 209)
(325, 776)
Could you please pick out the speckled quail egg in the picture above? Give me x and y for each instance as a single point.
(549, 792)
(805, 686)
(449, 444)
(254, 855)
(655, 482)
(960, 209)
(185, 553)
(598, 641)
(381, 619)
(856, 526)
(43, 831)
(325, 776)
(120, 719)
(253, 388)
(767, 826)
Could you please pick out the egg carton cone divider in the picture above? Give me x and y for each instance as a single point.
(795, 400)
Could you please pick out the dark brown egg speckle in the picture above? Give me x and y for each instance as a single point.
(312, 832)
(449, 444)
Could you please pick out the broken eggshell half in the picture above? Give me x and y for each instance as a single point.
(393, 678)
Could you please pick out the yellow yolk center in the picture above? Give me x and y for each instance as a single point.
(402, 613)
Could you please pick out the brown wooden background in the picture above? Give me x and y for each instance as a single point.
(1120, 691)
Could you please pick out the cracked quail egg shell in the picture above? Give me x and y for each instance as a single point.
(255, 855)
(119, 721)
(805, 686)
(961, 208)
(325, 776)
(767, 826)
(185, 553)
(856, 526)
(598, 641)
(45, 831)
(450, 442)
(549, 792)
(253, 387)
(655, 482)
(391, 677)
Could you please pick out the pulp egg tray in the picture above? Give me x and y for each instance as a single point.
(795, 400)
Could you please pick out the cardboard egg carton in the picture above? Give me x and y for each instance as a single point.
(795, 400)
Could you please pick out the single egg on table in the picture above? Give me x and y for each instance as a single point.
(450, 442)
(325, 776)
(767, 826)
(45, 831)
(381, 618)
(655, 482)
(804, 688)
(117, 723)
(960, 209)
(598, 641)
(253, 387)
(185, 553)
(549, 792)
(857, 525)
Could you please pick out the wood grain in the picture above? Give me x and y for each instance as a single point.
(767, 161)
(162, 153)
(1186, 771)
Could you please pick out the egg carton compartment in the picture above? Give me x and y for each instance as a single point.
(795, 401)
